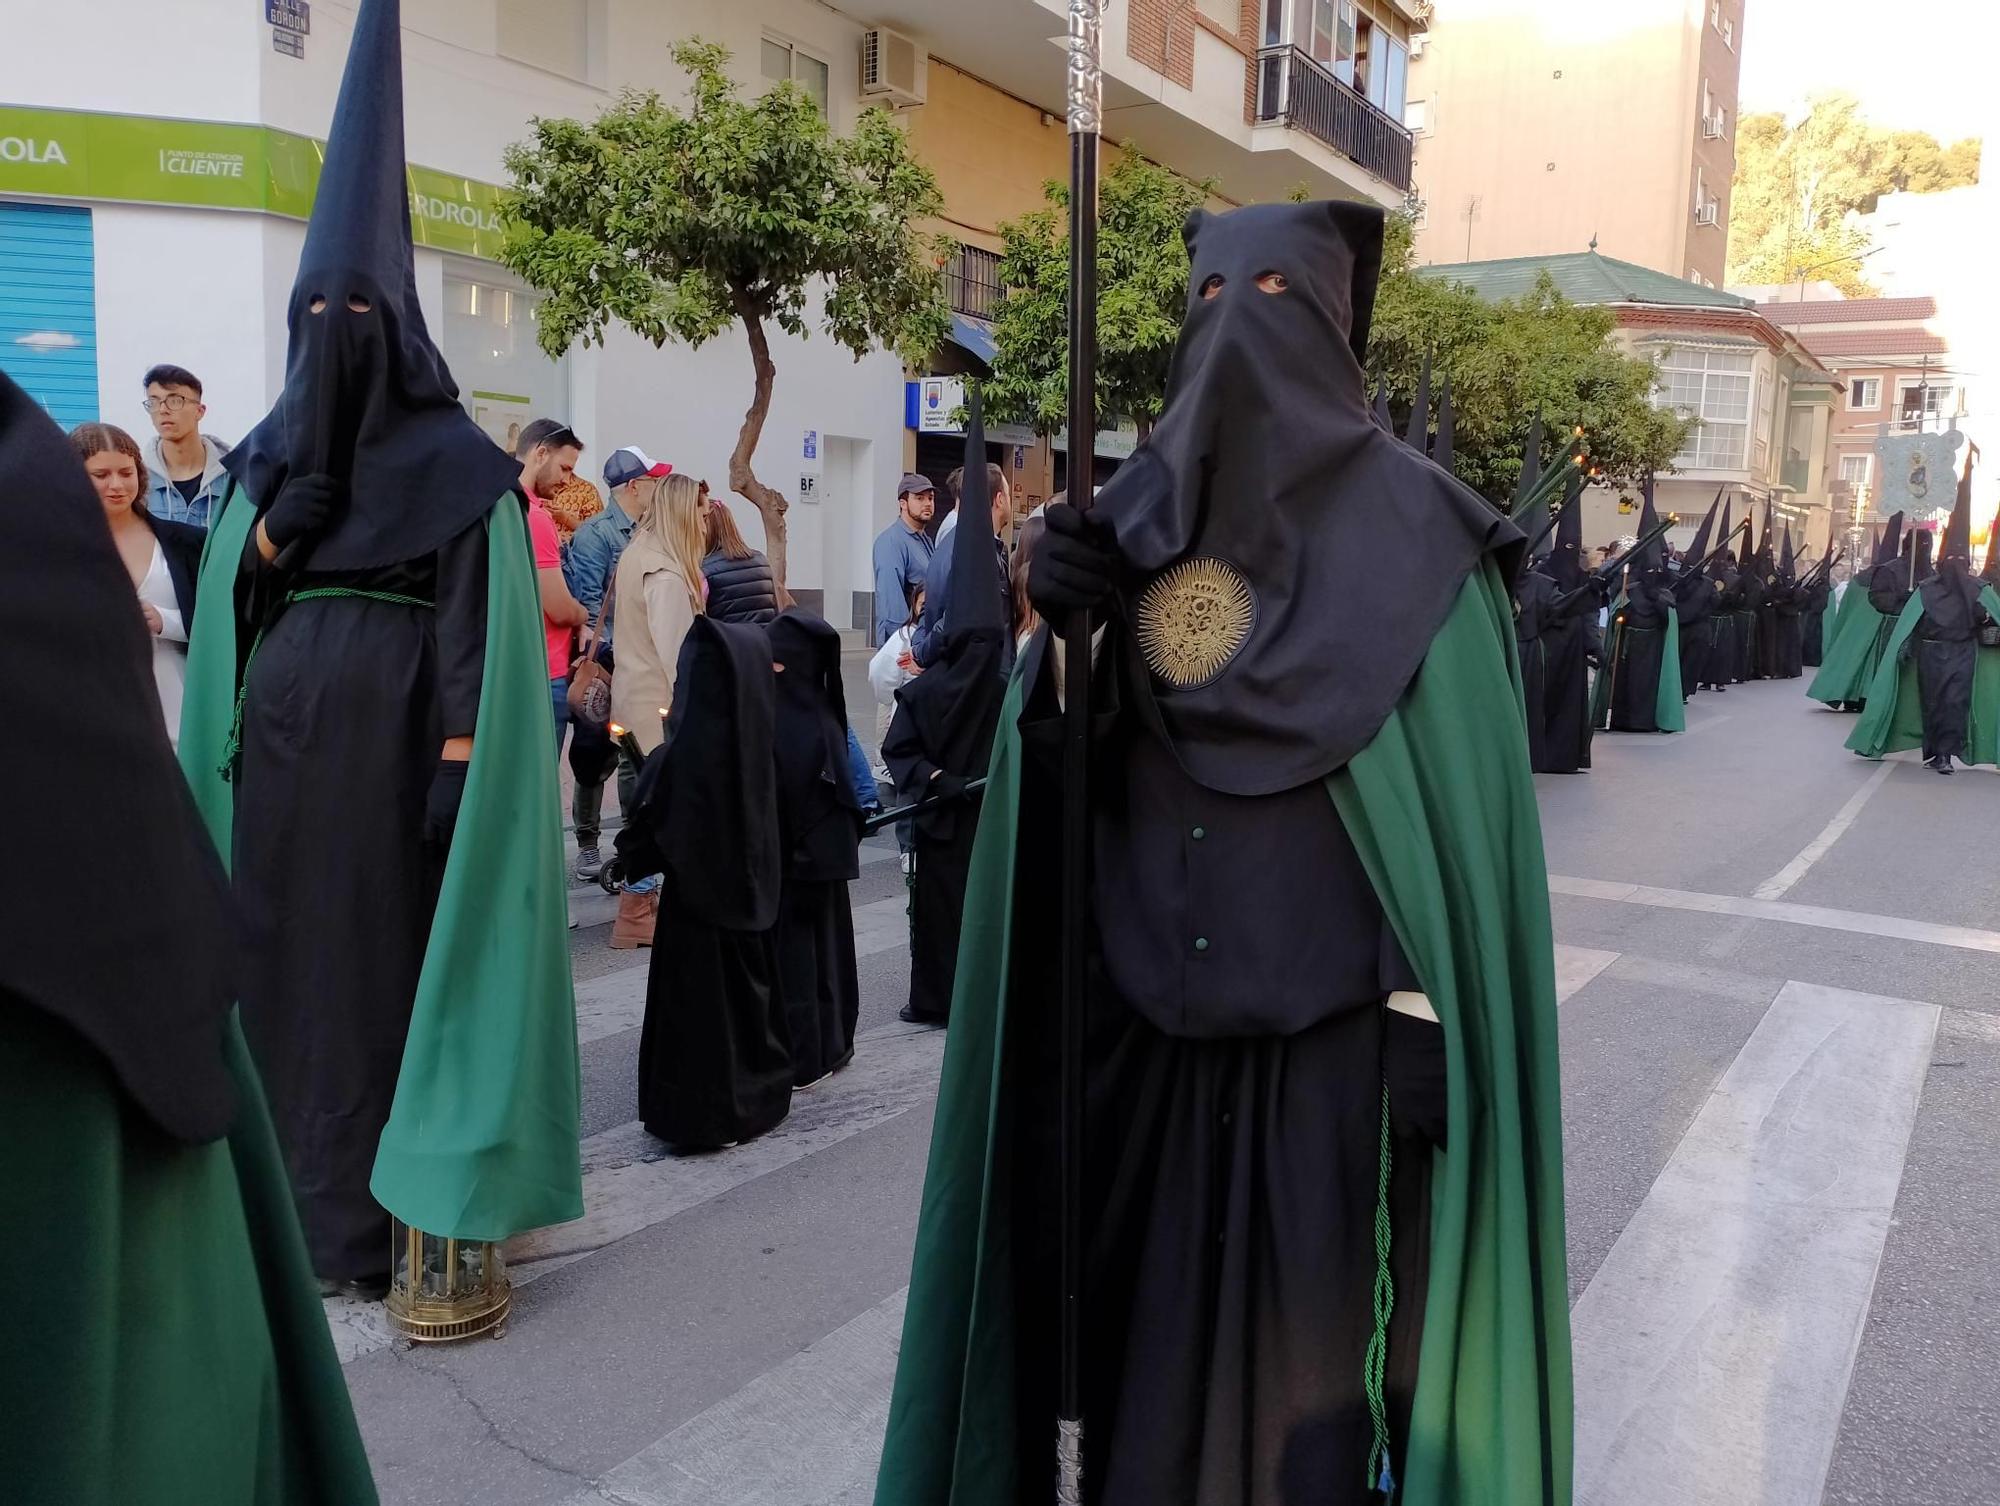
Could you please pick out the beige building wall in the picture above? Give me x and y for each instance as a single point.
(1545, 123)
(991, 153)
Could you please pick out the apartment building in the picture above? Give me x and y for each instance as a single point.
(155, 213)
(1765, 401)
(1896, 365)
(1543, 126)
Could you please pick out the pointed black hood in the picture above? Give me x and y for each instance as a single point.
(1653, 557)
(1565, 562)
(1287, 563)
(367, 397)
(1727, 535)
(1785, 565)
(1889, 543)
(1444, 454)
(1382, 406)
(1991, 569)
(1684, 587)
(1958, 531)
(154, 1005)
(1531, 471)
(1417, 433)
(1926, 544)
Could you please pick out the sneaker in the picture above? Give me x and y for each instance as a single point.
(589, 863)
(907, 861)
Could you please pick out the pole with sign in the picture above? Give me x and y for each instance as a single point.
(1086, 97)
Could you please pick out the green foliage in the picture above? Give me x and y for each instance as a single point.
(1796, 186)
(1142, 273)
(679, 223)
(1511, 360)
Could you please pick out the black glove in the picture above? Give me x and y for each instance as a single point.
(441, 805)
(944, 786)
(1073, 567)
(1413, 1069)
(303, 506)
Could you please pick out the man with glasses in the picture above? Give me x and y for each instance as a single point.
(184, 465)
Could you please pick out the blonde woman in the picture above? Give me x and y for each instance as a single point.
(660, 593)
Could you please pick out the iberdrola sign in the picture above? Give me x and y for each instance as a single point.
(134, 159)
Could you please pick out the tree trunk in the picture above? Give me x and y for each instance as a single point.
(771, 505)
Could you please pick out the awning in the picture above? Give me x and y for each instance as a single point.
(974, 337)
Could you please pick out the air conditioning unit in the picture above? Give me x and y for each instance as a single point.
(892, 67)
(1708, 214)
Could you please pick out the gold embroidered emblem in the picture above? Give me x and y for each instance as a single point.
(1192, 620)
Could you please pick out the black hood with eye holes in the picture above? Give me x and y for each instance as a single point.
(1268, 458)
(367, 396)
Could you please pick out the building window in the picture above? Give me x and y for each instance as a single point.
(1393, 76)
(1695, 276)
(972, 281)
(1715, 14)
(784, 61)
(1715, 387)
(1854, 470)
(504, 379)
(1729, 33)
(1921, 404)
(553, 35)
(1864, 394)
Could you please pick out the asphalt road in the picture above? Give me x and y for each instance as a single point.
(1781, 1053)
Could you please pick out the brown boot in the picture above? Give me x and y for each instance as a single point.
(637, 915)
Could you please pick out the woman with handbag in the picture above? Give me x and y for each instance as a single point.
(660, 591)
(162, 558)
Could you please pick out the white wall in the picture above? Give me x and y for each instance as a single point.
(198, 59)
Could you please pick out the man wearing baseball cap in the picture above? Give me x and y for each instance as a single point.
(903, 554)
(630, 477)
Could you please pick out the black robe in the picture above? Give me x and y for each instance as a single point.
(1787, 657)
(1812, 624)
(1636, 652)
(714, 1064)
(1534, 599)
(819, 826)
(1947, 653)
(1238, 1047)
(1695, 603)
(347, 701)
(1570, 641)
(1750, 624)
(1725, 656)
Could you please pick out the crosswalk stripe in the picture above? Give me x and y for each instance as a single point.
(1969, 938)
(807, 1432)
(1715, 1344)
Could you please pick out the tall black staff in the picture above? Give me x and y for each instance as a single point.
(1086, 96)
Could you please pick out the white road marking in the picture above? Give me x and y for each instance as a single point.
(1968, 938)
(1775, 886)
(1715, 1345)
(807, 1432)
(1576, 966)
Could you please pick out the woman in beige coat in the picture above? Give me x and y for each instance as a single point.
(660, 592)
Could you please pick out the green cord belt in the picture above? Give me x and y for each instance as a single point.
(1374, 1364)
(232, 750)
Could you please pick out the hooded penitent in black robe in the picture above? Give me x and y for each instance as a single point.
(1781, 655)
(1285, 569)
(714, 1068)
(1812, 619)
(166, 1345)
(1570, 641)
(1946, 639)
(1636, 644)
(364, 648)
(1751, 627)
(1534, 603)
(1695, 595)
(942, 738)
(819, 827)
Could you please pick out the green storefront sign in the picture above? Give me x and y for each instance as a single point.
(73, 154)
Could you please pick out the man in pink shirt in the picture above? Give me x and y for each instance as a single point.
(548, 452)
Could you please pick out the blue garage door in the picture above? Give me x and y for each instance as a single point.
(48, 308)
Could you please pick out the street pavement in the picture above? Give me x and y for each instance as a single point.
(1780, 1027)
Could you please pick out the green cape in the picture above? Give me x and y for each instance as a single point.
(1669, 705)
(166, 1343)
(482, 1139)
(1894, 717)
(1448, 830)
(1854, 651)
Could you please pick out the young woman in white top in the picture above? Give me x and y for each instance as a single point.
(162, 558)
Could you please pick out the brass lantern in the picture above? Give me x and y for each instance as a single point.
(443, 1289)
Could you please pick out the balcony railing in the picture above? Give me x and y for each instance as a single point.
(972, 281)
(1296, 90)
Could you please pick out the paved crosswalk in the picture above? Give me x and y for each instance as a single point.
(1714, 1342)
